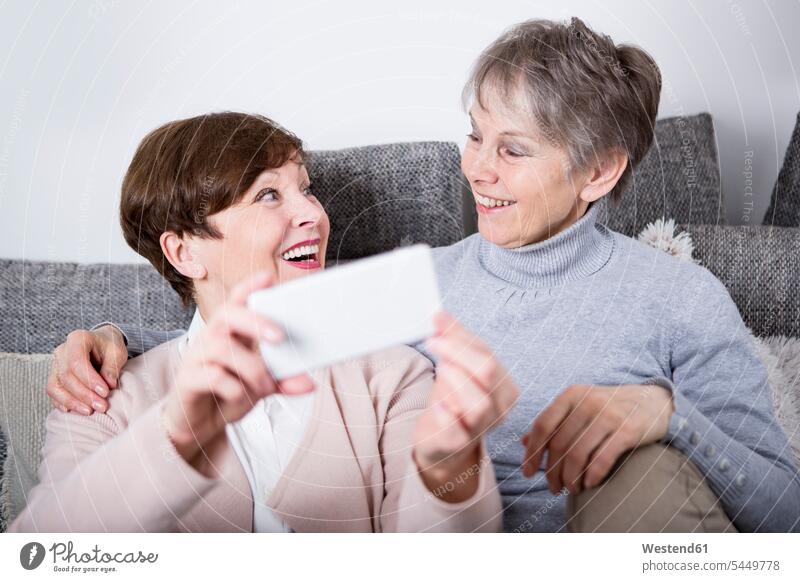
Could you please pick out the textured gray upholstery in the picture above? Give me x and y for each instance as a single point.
(22, 419)
(760, 266)
(784, 208)
(43, 302)
(678, 178)
(382, 197)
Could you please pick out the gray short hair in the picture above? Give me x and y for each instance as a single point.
(585, 94)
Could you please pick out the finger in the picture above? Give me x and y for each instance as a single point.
(74, 357)
(250, 366)
(112, 360)
(441, 321)
(240, 292)
(543, 428)
(68, 402)
(443, 388)
(296, 385)
(244, 363)
(605, 457)
(444, 322)
(52, 386)
(561, 445)
(231, 397)
(475, 408)
(576, 460)
(88, 398)
(447, 325)
(82, 369)
(56, 404)
(222, 383)
(238, 398)
(505, 396)
(52, 379)
(248, 325)
(478, 363)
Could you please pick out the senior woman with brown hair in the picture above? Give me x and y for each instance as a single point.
(643, 404)
(221, 205)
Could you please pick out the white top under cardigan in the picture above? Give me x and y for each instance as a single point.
(264, 441)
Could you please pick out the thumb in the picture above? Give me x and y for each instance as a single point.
(111, 366)
(112, 356)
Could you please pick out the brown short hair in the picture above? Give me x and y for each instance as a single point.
(187, 170)
(586, 94)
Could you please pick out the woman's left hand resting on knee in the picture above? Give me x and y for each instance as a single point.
(472, 394)
(222, 376)
(586, 429)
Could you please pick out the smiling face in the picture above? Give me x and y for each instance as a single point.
(523, 190)
(277, 226)
(542, 93)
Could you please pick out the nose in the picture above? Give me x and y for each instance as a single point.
(480, 166)
(305, 213)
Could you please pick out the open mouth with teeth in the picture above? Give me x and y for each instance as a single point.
(486, 205)
(303, 255)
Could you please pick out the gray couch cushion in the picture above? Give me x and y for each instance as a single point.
(678, 178)
(784, 208)
(25, 407)
(42, 302)
(381, 197)
(3, 478)
(760, 266)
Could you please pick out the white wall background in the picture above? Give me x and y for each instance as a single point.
(82, 82)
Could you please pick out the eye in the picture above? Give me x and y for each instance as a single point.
(268, 194)
(309, 190)
(473, 137)
(513, 153)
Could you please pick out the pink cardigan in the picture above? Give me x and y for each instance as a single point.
(352, 472)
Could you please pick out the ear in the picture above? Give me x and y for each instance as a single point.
(176, 250)
(602, 178)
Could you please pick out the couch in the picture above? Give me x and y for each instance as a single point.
(384, 196)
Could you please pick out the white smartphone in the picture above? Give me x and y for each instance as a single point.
(350, 311)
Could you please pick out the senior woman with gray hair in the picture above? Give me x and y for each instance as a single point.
(643, 405)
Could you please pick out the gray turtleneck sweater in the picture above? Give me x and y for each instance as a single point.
(590, 306)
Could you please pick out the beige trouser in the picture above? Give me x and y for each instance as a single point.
(654, 488)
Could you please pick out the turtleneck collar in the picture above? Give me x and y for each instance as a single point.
(575, 253)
